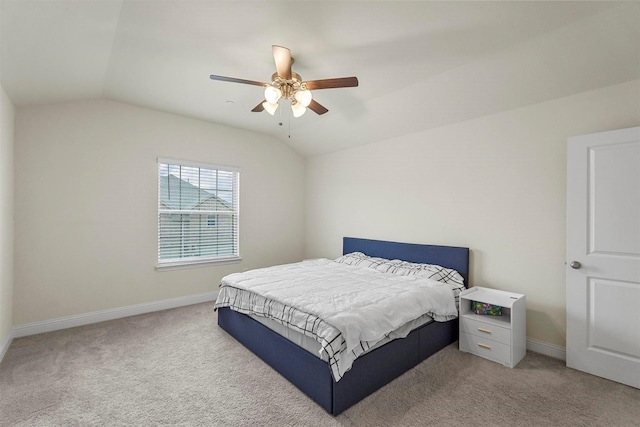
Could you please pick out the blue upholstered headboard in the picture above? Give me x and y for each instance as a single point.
(453, 257)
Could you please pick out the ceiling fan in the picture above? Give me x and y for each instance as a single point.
(285, 84)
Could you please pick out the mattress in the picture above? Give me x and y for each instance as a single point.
(314, 347)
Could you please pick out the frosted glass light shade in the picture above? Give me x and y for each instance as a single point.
(303, 97)
(272, 94)
(269, 107)
(298, 109)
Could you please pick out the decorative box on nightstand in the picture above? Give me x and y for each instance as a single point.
(502, 338)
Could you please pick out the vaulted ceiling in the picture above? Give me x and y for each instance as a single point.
(420, 64)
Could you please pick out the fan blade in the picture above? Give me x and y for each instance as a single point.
(332, 83)
(234, 80)
(282, 57)
(316, 107)
(259, 108)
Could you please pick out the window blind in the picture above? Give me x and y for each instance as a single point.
(198, 213)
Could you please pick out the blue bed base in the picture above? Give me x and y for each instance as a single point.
(370, 371)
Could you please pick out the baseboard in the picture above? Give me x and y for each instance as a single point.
(547, 349)
(110, 314)
(26, 329)
(5, 345)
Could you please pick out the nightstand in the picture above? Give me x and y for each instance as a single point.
(501, 339)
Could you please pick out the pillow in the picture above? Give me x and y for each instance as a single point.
(431, 271)
(403, 268)
(360, 259)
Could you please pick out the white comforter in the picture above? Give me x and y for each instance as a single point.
(347, 309)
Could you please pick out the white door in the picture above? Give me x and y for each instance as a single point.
(603, 255)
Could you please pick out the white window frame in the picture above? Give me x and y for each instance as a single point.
(199, 261)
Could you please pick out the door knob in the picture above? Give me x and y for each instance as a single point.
(575, 264)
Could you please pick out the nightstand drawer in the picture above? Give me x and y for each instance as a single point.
(486, 348)
(485, 330)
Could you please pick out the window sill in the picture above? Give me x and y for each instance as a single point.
(178, 265)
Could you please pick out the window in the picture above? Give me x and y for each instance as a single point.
(197, 213)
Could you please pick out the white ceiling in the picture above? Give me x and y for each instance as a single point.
(420, 64)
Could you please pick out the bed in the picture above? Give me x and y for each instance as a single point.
(375, 368)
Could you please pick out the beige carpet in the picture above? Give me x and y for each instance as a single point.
(177, 367)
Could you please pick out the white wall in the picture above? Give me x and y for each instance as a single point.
(6, 218)
(86, 205)
(496, 184)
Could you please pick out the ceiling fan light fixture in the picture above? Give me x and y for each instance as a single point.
(298, 109)
(270, 107)
(304, 97)
(285, 84)
(272, 94)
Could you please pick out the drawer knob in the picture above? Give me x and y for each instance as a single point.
(486, 331)
(484, 346)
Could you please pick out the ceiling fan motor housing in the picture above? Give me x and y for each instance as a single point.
(288, 87)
